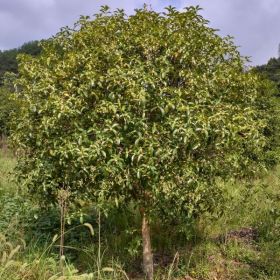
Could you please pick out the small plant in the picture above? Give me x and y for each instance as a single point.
(9, 259)
(7, 250)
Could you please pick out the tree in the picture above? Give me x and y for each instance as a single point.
(149, 108)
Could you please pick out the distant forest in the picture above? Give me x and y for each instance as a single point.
(271, 70)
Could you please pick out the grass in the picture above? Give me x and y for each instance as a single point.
(242, 243)
(7, 163)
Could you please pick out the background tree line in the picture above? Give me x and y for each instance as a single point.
(271, 70)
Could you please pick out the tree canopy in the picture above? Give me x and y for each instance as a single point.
(149, 108)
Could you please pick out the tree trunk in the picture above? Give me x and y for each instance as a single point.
(148, 264)
(62, 232)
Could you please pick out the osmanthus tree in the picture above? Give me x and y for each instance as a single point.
(149, 108)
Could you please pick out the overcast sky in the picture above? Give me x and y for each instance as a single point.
(255, 24)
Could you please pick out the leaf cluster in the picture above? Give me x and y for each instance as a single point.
(149, 108)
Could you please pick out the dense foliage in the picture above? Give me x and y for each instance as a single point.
(8, 58)
(271, 70)
(9, 106)
(270, 102)
(8, 67)
(148, 109)
(6, 107)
